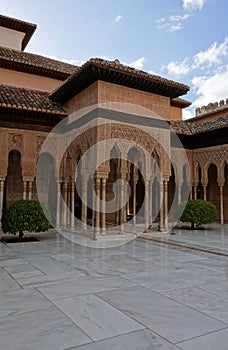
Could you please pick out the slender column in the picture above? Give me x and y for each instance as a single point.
(122, 207)
(146, 213)
(72, 204)
(166, 205)
(221, 206)
(156, 199)
(84, 201)
(134, 201)
(195, 191)
(24, 189)
(179, 194)
(103, 206)
(30, 190)
(65, 185)
(98, 189)
(150, 203)
(190, 192)
(161, 216)
(1, 198)
(204, 193)
(58, 204)
(69, 204)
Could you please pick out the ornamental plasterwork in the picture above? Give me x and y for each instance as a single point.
(39, 142)
(216, 156)
(15, 141)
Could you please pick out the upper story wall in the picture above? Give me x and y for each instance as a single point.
(26, 80)
(11, 38)
(102, 93)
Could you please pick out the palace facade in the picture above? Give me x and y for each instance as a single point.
(104, 124)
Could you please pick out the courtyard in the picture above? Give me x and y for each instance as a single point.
(143, 295)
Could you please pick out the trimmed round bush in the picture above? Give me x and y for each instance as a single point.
(25, 215)
(197, 211)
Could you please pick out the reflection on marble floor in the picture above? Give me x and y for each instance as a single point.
(140, 296)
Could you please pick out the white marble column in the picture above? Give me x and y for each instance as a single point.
(179, 194)
(161, 216)
(122, 206)
(24, 189)
(134, 200)
(72, 204)
(30, 190)
(150, 203)
(65, 187)
(191, 192)
(204, 193)
(58, 204)
(1, 198)
(146, 209)
(165, 205)
(195, 191)
(84, 201)
(103, 206)
(98, 189)
(221, 205)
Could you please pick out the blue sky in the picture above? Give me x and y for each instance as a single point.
(183, 40)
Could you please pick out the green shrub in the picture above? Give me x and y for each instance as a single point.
(197, 212)
(25, 215)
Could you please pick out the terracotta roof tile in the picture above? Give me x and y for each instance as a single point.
(35, 64)
(200, 126)
(192, 127)
(116, 73)
(28, 99)
(180, 127)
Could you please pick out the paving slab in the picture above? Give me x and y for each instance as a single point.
(46, 329)
(141, 340)
(96, 318)
(22, 301)
(216, 340)
(168, 318)
(84, 286)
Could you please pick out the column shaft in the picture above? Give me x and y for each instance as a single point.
(1, 198)
(103, 206)
(221, 206)
(72, 204)
(97, 224)
(58, 204)
(166, 205)
(161, 216)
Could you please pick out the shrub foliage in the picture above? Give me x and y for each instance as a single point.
(197, 212)
(24, 215)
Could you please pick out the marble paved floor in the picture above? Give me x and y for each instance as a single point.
(143, 295)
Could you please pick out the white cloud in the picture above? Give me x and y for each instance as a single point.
(188, 113)
(138, 64)
(212, 88)
(177, 69)
(210, 59)
(66, 60)
(193, 5)
(213, 55)
(172, 23)
(118, 18)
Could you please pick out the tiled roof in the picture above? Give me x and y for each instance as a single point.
(180, 127)
(35, 64)
(18, 25)
(116, 73)
(192, 127)
(200, 126)
(28, 100)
